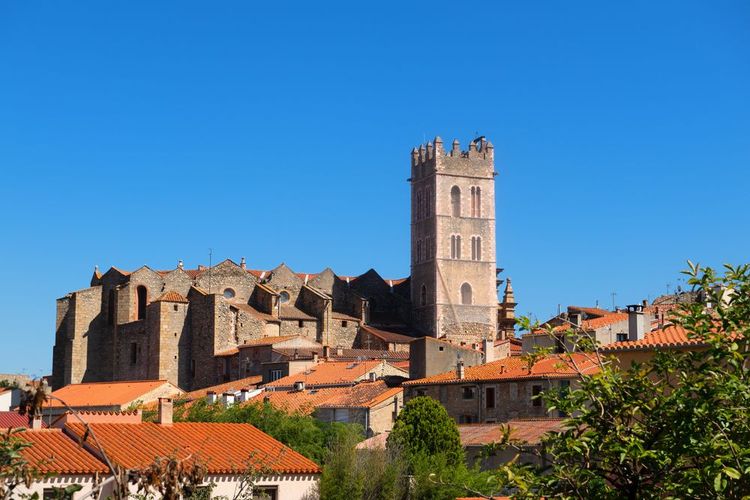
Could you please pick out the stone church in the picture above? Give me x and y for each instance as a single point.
(173, 324)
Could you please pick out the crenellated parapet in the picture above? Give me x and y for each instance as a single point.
(433, 156)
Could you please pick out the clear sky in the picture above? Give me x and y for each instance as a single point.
(139, 133)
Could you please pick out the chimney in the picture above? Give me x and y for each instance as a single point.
(299, 386)
(211, 397)
(315, 357)
(636, 322)
(339, 351)
(460, 370)
(243, 264)
(575, 319)
(228, 399)
(165, 411)
(243, 396)
(326, 351)
(488, 346)
(36, 422)
(180, 264)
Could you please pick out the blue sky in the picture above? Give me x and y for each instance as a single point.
(146, 132)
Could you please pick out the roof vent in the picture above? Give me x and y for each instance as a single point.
(299, 386)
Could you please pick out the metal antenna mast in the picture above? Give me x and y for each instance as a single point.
(210, 264)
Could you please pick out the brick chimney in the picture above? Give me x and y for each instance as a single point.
(636, 322)
(165, 411)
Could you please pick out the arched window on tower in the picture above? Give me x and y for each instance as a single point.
(466, 298)
(476, 248)
(111, 307)
(456, 201)
(476, 201)
(142, 297)
(456, 246)
(423, 296)
(428, 202)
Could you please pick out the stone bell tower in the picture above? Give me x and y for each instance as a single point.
(453, 272)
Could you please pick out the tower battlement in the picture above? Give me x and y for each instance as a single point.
(433, 154)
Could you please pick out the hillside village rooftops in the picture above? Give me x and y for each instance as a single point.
(52, 452)
(247, 383)
(587, 324)
(330, 373)
(528, 431)
(555, 366)
(104, 394)
(224, 448)
(670, 336)
(342, 354)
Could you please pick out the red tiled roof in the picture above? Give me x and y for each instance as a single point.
(514, 368)
(105, 393)
(387, 336)
(588, 324)
(12, 420)
(528, 431)
(267, 341)
(299, 402)
(403, 365)
(52, 452)
(346, 354)
(223, 447)
(591, 311)
(668, 336)
(228, 352)
(236, 385)
(362, 395)
(329, 373)
(172, 296)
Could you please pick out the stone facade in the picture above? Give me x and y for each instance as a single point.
(179, 324)
(453, 271)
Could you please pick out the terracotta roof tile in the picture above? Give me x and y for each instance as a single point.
(172, 296)
(588, 324)
(55, 453)
(236, 385)
(346, 354)
(227, 352)
(97, 394)
(528, 431)
(362, 395)
(514, 368)
(223, 447)
(12, 420)
(668, 336)
(387, 336)
(329, 373)
(591, 311)
(267, 341)
(298, 402)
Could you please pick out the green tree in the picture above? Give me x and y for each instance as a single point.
(423, 428)
(675, 426)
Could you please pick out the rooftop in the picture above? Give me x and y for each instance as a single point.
(553, 366)
(667, 336)
(53, 452)
(223, 447)
(330, 373)
(529, 431)
(98, 394)
(12, 420)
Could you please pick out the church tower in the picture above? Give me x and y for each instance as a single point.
(453, 273)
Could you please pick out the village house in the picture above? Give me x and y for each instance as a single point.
(231, 454)
(501, 390)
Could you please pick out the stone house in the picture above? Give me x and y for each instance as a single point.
(501, 390)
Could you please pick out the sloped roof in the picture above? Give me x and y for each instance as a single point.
(106, 393)
(53, 452)
(387, 336)
(172, 296)
(287, 311)
(12, 420)
(224, 448)
(346, 354)
(267, 341)
(253, 311)
(329, 373)
(588, 324)
(669, 336)
(515, 368)
(236, 385)
(300, 402)
(529, 431)
(362, 395)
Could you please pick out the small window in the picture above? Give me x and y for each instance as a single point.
(466, 298)
(111, 308)
(141, 302)
(228, 293)
(133, 353)
(468, 392)
(441, 348)
(300, 324)
(284, 297)
(265, 493)
(622, 337)
(344, 323)
(275, 375)
(192, 368)
(423, 296)
(176, 307)
(536, 390)
(456, 201)
(421, 392)
(56, 494)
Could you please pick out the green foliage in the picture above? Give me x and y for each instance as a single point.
(424, 428)
(302, 433)
(351, 474)
(675, 426)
